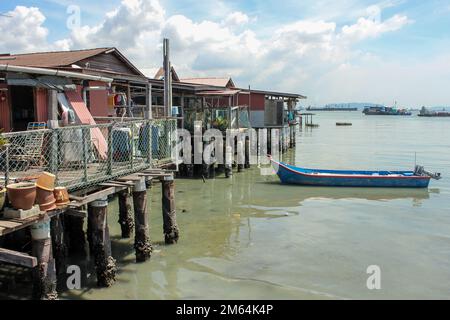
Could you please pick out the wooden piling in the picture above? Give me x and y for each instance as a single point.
(171, 231)
(105, 265)
(142, 243)
(76, 239)
(247, 153)
(59, 244)
(44, 274)
(228, 162)
(125, 214)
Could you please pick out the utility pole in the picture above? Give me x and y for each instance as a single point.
(167, 80)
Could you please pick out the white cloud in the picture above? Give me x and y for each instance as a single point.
(371, 27)
(311, 56)
(236, 18)
(22, 30)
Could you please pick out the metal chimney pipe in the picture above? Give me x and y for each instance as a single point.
(167, 80)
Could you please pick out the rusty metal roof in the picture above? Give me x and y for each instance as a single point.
(218, 82)
(52, 59)
(63, 59)
(221, 93)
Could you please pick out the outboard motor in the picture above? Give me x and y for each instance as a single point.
(420, 171)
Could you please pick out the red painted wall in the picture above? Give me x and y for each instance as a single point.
(98, 100)
(5, 112)
(41, 104)
(257, 101)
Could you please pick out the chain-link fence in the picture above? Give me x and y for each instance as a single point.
(82, 156)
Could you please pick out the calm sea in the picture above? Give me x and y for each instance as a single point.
(251, 238)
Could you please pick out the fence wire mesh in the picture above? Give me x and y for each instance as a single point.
(82, 156)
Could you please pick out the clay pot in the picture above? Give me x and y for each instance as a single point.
(61, 196)
(22, 195)
(44, 196)
(48, 206)
(46, 181)
(2, 197)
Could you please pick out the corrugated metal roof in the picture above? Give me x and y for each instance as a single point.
(220, 93)
(218, 82)
(53, 59)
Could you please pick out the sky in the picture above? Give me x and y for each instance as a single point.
(329, 50)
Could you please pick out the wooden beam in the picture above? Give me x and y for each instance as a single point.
(96, 196)
(76, 213)
(17, 258)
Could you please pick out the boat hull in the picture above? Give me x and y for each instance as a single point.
(333, 178)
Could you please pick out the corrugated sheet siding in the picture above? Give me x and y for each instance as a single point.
(41, 99)
(5, 112)
(107, 62)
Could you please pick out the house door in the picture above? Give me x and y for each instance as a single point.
(22, 107)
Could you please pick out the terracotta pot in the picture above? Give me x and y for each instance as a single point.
(22, 195)
(48, 206)
(44, 196)
(2, 197)
(61, 196)
(46, 181)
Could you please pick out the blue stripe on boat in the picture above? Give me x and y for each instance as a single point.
(345, 178)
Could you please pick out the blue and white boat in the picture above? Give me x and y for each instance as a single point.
(342, 178)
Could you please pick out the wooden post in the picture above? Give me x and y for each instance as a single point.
(228, 162)
(247, 153)
(59, 245)
(44, 274)
(142, 243)
(105, 265)
(125, 214)
(240, 155)
(171, 232)
(73, 227)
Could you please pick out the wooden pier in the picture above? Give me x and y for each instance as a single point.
(48, 256)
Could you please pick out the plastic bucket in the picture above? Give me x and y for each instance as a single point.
(41, 230)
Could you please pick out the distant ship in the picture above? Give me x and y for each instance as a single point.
(424, 112)
(331, 109)
(385, 111)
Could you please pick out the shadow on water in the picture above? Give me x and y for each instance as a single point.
(341, 193)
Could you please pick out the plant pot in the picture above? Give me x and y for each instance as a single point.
(44, 196)
(2, 197)
(48, 206)
(22, 195)
(46, 181)
(61, 196)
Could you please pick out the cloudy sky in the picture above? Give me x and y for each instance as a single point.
(332, 51)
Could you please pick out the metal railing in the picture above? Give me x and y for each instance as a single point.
(84, 155)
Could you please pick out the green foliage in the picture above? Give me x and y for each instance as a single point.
(3, 140)
(220, 123)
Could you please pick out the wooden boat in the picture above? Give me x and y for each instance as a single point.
(342, 178)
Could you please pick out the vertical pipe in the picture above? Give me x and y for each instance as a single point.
(142, 243)
(170, 227)
(110, 149)
(125, 214)
(84, 133)
(7, 166)
(105, 265)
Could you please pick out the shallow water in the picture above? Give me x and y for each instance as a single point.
(251, 238)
